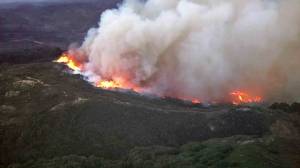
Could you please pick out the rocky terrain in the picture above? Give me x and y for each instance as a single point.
(51, 118)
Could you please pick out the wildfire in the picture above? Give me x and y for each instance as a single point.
(190, 99)
(196, 101)
(70, 62)
(73, 64)
(239, 97)
(109, 84)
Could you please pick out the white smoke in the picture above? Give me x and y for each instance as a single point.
(200, 48)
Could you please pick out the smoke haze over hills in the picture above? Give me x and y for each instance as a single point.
(197, 48)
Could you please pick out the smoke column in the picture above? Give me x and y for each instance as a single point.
(199, 48)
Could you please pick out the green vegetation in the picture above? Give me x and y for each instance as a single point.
(233, 152)
(52, 119)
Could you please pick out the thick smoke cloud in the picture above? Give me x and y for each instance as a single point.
(200, 48)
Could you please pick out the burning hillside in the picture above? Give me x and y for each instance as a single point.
(164, 60)
(237, 97)
(203, 51)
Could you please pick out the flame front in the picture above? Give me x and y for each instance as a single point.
(119, 83)
(71, 63)
(240, 97)
(196, 101)
(108, 84)
(237, 97)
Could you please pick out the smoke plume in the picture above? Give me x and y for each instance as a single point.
(199, 48)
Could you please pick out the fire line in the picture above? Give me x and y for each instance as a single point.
(237, 97)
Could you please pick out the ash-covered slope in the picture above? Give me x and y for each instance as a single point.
(49, 117)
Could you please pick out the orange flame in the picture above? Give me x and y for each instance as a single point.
(70, 62)
(108, 84)
(192, 100)
(239, 97)
(196, 101)
(118, 83)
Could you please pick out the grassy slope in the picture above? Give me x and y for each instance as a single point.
(51, 117)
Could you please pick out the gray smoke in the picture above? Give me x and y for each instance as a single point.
(199, 48)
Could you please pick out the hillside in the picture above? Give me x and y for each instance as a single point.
(53, 24)
(49, 115)
(51, 118)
